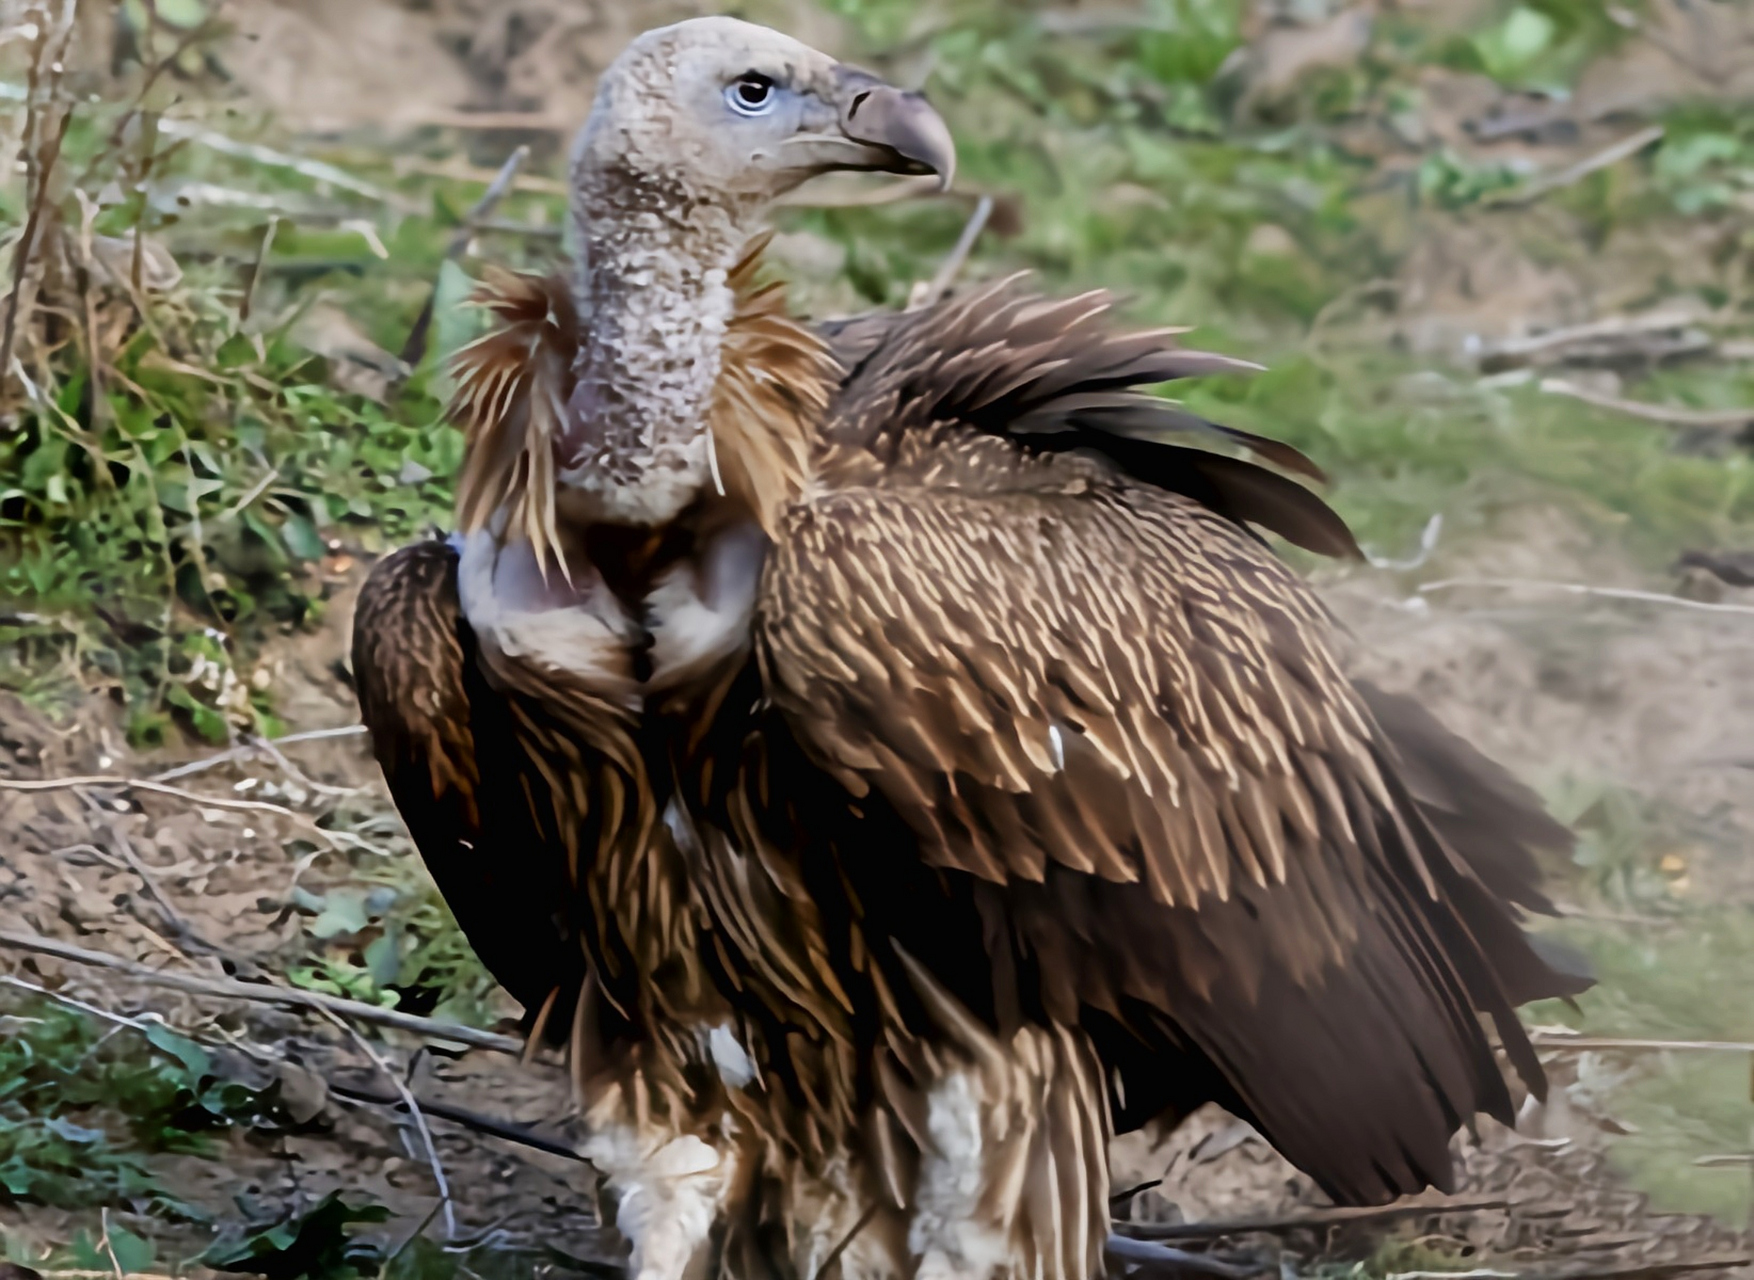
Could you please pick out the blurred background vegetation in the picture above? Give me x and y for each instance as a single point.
(1495, 254)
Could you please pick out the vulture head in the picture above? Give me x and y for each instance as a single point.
(725, 112)
(599, 399)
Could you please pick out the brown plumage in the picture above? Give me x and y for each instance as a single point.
(1136, 793)
(955, 779)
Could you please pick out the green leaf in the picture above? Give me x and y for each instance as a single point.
(343, 912)
(1509, 50)
(192, 1056)
(182, 13)
(133, 1254)
(208, 722)
(300, 537)
(316, 1245)
(235, 352)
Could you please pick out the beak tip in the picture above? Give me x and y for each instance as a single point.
(905, 124)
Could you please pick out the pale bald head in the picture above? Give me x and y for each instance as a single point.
(721, 108)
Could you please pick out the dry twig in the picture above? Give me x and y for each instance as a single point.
(1543, 184)
(341, 839)
(414, 1113)
(1582, 589)
(1314, 1220)
(415, 347)
(124, 849)
(1523, 349)
(42, 153)
(263, 993)
(250, 747)
(928, 292)
(1583, 1044)
(471, 1120)
(1667, 415)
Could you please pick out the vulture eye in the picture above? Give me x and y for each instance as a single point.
(750, 95)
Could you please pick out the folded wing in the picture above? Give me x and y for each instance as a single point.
(1041, 639)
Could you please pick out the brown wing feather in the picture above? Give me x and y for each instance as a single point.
(1105, 724)
(445, 745)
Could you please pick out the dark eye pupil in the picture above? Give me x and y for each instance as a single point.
(753, 92)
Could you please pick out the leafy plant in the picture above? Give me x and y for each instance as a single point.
(1539, 44)
(78, 1107)
(318, 1244)
(113, 1249)
(392, 941)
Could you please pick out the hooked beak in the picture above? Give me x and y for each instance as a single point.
(900, 123)
(880, 128)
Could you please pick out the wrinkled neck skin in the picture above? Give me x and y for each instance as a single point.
(654, 302)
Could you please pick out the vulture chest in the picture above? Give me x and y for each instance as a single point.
(611, 670)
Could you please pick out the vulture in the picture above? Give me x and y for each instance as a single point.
(888, 755)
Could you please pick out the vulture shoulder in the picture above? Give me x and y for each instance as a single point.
(444, 741)
(1019, 621)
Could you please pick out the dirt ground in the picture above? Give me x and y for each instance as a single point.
(1655, 697)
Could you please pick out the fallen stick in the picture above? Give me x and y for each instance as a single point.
(474, 1121)
(1314, 1220)
(1549, 1040)
(1161, 1257)
(248, 748)
(1642, 1270)
(414, 349)
(337, 839)
(262, 993)
(928, 293)
(1612, 154)
(1667, 415)
(1584, 589)
(412, 1105)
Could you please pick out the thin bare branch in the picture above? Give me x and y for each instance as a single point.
(1612, 154)
(1624, 1044)
(124, 850)
(248, 748)
(1154, 1256)
(931, 291)
(415, 347)
(44, 155)
(1583, 589)
(471, 1120)
(1315, 1219)
(263, 993)
(79, 1006)
(341, 839)
(1667, 415)
(414, 1114)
